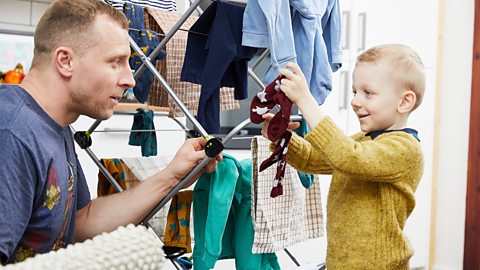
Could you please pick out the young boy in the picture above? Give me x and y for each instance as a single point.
(375, 172)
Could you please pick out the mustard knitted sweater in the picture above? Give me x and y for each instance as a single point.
(371, 193)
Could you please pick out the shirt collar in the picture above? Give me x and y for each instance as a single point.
(375, 134)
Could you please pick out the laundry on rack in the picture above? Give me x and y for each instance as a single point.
(170, 5)
(223, 220)
(147, 40)
(304, 31)
(145, 167)
(285, 220)
(143, 120)
(215, 57)
(170, 68)
(177, 229)
(117, 169)
(262, 103)
(305, 178)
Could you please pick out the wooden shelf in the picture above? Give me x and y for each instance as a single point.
(135, 106)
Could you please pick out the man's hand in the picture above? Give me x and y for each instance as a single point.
(268, 117)
(188, 156)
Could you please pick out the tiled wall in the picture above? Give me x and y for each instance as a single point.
(21, 15)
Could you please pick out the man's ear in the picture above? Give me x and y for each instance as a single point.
(407, 103)
(63, 61)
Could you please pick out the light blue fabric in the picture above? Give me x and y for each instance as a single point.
(222, 218)
(305, 31)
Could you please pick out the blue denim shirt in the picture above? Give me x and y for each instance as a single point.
(305, 31)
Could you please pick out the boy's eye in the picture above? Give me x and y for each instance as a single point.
(368, 92)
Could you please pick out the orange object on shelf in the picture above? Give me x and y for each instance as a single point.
(14, 76)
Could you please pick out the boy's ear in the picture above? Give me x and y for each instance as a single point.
(407, 103)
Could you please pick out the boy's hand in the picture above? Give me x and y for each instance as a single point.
(296, 89)
(268, 117)
(294, 84)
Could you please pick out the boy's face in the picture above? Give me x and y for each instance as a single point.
(376, 97)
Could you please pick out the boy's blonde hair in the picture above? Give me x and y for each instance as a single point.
(407, 67)
(68, 23)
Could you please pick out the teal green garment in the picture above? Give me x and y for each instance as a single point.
(223, 223)
(143, 120)
(305, 178)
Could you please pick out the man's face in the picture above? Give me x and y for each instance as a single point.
(102, 72)
(376, 96)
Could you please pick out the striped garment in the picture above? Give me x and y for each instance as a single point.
(170, 5)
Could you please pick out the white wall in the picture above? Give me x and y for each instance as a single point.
(21, 15)
(453, 127)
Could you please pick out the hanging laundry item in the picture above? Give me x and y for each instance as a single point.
(117, 169)
(304, 31)
(170, 68)
(145, 135)
(286, 220)
(223, 221)
(215, 57)
(147, 40)
(145, 167)
(169, 5)
(305, 178)
(262, 103)
(177, 230)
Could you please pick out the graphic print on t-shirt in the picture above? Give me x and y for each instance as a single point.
(61, 240)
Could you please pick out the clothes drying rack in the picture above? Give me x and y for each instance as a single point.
(214, 145)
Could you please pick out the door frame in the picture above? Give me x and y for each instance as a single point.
(471, 258)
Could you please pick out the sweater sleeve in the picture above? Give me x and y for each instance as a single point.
(384, 159)
(303, 157)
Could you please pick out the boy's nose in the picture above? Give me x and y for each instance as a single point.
(355, 102)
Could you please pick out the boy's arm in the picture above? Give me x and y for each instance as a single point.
(386, 159)
(303, 157)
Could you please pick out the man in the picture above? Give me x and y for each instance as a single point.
(80, 67)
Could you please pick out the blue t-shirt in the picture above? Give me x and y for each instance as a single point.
(41, 181)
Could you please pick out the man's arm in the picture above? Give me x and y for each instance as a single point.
(105, 214)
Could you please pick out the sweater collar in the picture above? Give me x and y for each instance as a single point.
(375, 134)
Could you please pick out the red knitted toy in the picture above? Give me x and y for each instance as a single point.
(262, 103)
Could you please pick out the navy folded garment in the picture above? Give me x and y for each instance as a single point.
(215, 58)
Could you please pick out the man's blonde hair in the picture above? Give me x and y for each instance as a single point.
(407, 67)
(68, 23)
